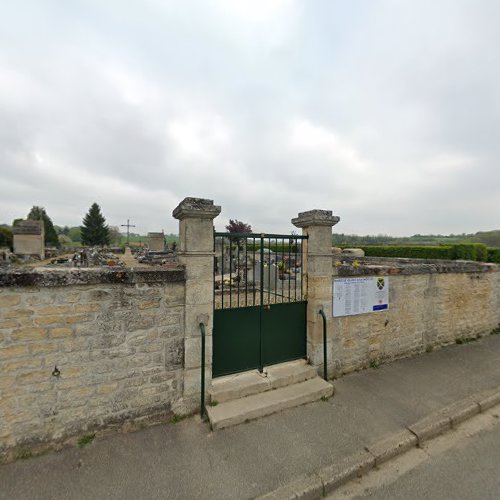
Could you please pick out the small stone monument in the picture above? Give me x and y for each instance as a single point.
(29, 238)
(156, 242)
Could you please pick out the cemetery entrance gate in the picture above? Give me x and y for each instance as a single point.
(259, 302)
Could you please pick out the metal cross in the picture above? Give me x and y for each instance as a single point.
(128, 226)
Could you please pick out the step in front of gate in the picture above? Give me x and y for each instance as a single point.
(255, 406)
(245, 384)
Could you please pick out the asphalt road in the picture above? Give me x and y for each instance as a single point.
(462, 465)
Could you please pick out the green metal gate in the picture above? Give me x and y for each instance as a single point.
(259, 306)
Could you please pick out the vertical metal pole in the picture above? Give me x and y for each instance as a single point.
(269, 271)
(202, 403)
(261, 364)
(325, 369)
(245, 275)
(289, 273)
(276, 272)
(223, 258)
(238, 277)
(296, 242)
(254, 276)
(230, 272)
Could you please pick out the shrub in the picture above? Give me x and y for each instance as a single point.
(460, 251)
(481, 252)
(409, 252)
(5, 237)
(494, 255)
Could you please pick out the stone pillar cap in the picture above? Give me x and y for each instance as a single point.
(196, 208)
(315, 218)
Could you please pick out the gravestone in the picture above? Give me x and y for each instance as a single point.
(156, 242)
(29, 238)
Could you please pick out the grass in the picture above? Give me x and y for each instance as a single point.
(85, 440)
(495, 331)
(24, 455)
(375, 363)
(465, 340)
(177, 418)
(214, 403)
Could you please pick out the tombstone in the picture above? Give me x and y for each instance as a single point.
(29, 238)
(354, 252)
(270, 276)
(5, 254)
(156, 242)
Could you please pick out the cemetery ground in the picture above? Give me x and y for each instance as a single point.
(302, 447)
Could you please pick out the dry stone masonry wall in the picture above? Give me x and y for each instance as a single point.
(105, 347)
(431, 304)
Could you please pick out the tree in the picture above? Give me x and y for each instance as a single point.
(115, 237)
(94, 230)
(5, 237)
(39, 213)
(75, 234)
(237, 226)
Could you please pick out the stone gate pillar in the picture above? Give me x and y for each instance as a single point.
(317, 224)
(196, 252)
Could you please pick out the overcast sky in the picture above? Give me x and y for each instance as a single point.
(385, 111)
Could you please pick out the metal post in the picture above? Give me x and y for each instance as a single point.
(325, 369)
(202, 404)
(261, 364)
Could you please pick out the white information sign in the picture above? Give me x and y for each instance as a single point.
(360, 295)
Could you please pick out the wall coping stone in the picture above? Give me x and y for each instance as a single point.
(43, 276)
(198, 208)
(369, 266)
(315, 218)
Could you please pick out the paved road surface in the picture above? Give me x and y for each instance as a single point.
(464, 464)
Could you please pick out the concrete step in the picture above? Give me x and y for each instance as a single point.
(251, 407)
(245, 384)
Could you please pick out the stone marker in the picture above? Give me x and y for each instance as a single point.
(29, 238)
(156, 242)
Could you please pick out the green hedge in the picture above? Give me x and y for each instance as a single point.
(280, 248)
(494, 255)
(461, 251)
(410, 252)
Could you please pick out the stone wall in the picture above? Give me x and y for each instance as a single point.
(82, 349)
(431, 304)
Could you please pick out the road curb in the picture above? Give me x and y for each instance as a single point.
(327, 479)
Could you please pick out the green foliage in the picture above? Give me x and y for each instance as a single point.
(470, 251)
(409, 252)
(291, 247)
(481, 252)
(489, 238)
(352, 240)
(461, 251)
(75, 234)
(39, 213)
(85, 440)
(494, 255)
(237, 226)
(6, 237)
(465, 340)
(25, 455)
(177, 418)
(115, 237)
(64, 240)
(94, 230)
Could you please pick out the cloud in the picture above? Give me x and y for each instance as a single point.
(385, 112)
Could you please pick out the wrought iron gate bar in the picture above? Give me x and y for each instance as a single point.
(268, 326)
(251, 259)
(263, 235)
